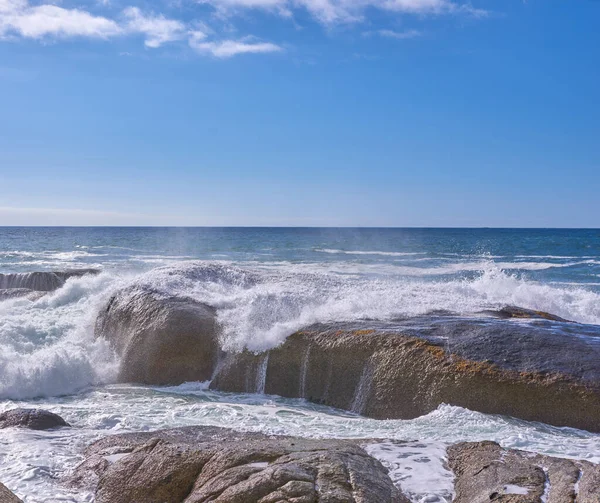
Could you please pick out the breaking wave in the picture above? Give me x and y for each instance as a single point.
(47, 345)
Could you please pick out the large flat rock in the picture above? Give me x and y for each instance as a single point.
(532, 368)
(513, 361)
(201, 464)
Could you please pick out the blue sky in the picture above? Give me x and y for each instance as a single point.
(300, 112)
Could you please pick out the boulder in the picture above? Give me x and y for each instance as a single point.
(519, 312)
(202, 464)
(161, 339)
(41, 281)
(34, 419)
(486, 472)
(538, 369)
(7, 496)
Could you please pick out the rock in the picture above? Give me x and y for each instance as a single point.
(516, 362)
(7, 496)
(15, 293)
(41, 281)
(161, 339)
(538, 370)
(201, 464)
(34, 419)
(519, 312)
(486, 472)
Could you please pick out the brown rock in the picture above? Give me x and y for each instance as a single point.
(486, 472)
(161, 339)
(378, 370)
(201, 464)
(7, 496)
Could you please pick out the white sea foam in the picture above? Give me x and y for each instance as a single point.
(260, 305)
(47, 346)
(31, 462)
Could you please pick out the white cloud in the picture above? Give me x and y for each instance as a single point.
(230, 48)
(48, 21)
(347, 11)
(17, 18)
(399, 35)
(157, 28)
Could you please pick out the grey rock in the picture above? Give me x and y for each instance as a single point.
(15, 293)
(34, 419)
(201, 464)
(486, 472)
(6, 496)
(161, 339)
(42, 281)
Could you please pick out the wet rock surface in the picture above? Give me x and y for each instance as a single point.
(41, 281)
(486, 472)
(201, 464)
(16, 293)
(34, 419)
(6, 496)
(161, 339)
(527, 364)
(537, 369)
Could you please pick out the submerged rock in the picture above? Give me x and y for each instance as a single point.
(486, 472)
(161, 339)
(7, 496)
(538, 370)
(41, 281)
(16, 293)
(34, 419)
(519, 312)
(201, 464)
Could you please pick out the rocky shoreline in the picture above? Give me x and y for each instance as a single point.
(515, 362)
(199, 464)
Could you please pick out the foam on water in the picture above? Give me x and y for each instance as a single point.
(31, 462)
(47, 345)
(260, 304)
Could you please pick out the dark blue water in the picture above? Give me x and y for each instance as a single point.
(547, 255)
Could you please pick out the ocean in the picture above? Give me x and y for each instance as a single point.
(267, 283)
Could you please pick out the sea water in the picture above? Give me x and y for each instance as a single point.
(265, 284)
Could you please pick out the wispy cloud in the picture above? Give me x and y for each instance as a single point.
(157, 28)
(347, 11)
(399, 35)
(229, 48)
(19, 19)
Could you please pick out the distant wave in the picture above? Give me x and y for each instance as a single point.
(361, 252)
